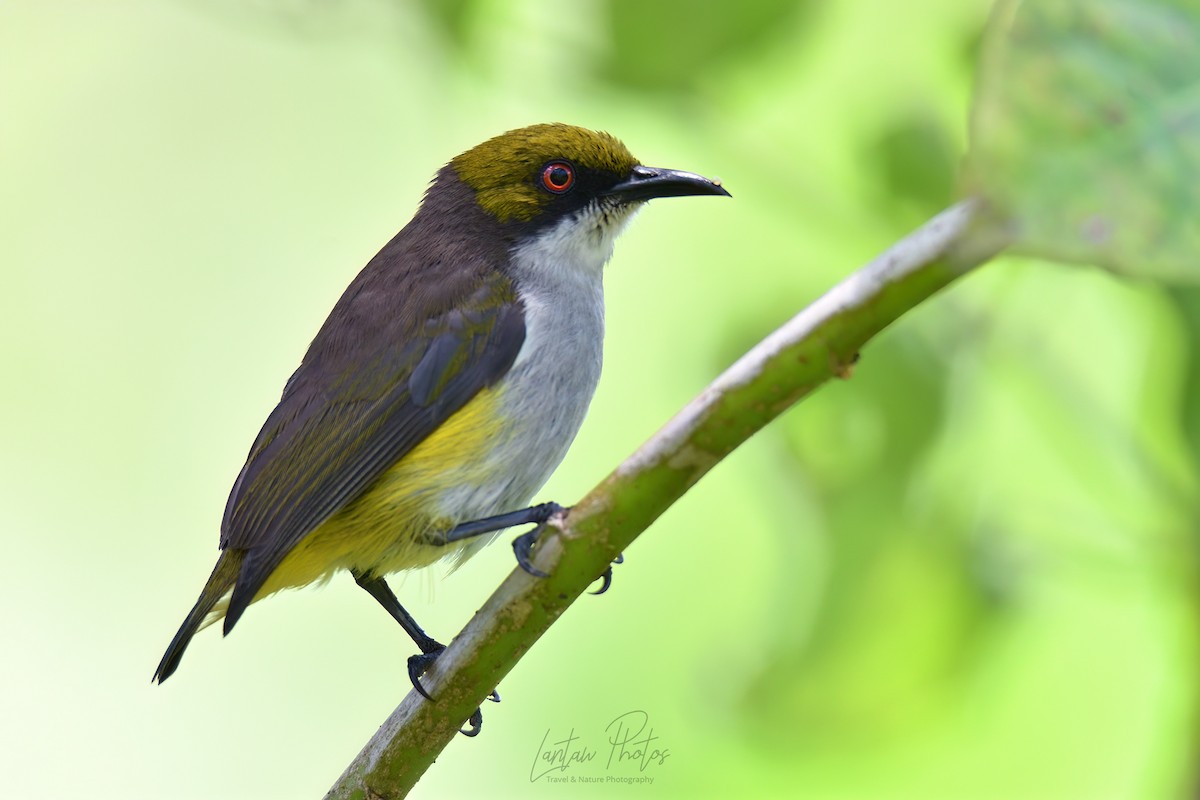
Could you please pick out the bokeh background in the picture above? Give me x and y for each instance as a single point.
(968, 572)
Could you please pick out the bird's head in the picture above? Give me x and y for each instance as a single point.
(539, 175)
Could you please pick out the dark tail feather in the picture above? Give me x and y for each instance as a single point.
(219, 584)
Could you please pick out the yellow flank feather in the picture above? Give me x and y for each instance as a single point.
(378, 531)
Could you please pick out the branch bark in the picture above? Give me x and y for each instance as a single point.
(820, 342)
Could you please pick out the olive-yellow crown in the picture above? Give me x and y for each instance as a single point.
(543, 170)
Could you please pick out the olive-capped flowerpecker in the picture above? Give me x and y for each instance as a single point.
(447, 382)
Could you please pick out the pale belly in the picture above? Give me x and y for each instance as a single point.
(490, 457)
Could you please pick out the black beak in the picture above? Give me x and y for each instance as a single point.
(646, 183)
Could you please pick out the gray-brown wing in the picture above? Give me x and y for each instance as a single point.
(354, 408)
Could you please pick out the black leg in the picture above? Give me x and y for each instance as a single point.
(523, 544)
(378, 588)
(430, 647)
(534, 515)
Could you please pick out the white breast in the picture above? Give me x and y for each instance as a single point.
(546, 394)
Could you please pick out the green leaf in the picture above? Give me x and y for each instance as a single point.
(1086, 131)
(673, 44)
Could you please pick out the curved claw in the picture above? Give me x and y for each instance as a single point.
(474, 723)
(607, 575)
(522, 547)
(416, 668)
(418, 664)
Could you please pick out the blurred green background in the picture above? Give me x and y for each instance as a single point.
(968, 572)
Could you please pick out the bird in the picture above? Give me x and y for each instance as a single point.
(446, 384)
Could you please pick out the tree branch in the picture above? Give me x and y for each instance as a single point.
(818, 343)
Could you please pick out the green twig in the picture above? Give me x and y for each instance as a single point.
(819, 343)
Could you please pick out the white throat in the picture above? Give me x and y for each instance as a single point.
(574, 250)
(559, 277)
(544, 397)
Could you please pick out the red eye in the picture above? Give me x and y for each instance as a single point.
(558, 177)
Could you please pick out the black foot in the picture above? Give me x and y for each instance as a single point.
(418, 664)
(606, 576)
(475, 721)
(522, 546)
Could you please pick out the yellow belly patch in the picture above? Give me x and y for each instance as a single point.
(378, 530)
